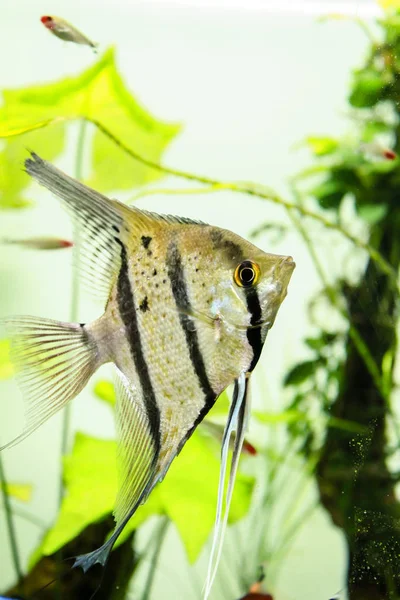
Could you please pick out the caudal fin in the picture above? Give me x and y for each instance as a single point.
(53, 362)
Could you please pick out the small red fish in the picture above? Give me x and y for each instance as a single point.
(40, 243)
(65, 31)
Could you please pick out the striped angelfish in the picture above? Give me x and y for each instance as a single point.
(187, 310)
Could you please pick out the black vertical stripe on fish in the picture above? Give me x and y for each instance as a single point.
(180, 293)
(254, 333)
(128, 314)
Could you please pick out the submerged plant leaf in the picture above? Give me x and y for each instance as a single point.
(105, 390)
(20, 491)
(39, 113)
(6, 367)
(301, 372)
(373, 213)
(187, 495)
(322, 146)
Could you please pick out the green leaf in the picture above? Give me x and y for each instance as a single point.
(105, 390)
(6, 367)
(321, 146)
(90, 478)
(187, 495)
(315, 343)
(373, 213)
(301, 372)
(367, 89)
(13, 179)
(99, 94)
(20, 491)
(221, 407)
(373, 128)
(329, 193)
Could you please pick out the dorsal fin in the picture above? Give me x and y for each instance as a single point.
(102, 223)
(97, 218)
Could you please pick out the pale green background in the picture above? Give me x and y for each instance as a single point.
(248, 80)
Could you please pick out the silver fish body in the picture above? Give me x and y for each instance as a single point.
(39, 243)
(65, 31)
(188, 307)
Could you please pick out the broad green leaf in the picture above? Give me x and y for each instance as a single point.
(187, 495)
(367, 88)
(98, 94)
(287, 416)
(329, 193)
(373, 213)
(20, 491)
(6, 367)
(301, 372)
(221, 407)
(321, 146)
(13, 180)
(105, 390)
(315, 343)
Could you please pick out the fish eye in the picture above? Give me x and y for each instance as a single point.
(247, 274)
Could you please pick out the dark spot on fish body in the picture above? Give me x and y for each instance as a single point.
(115, 228)
(144, 305)
(154, 272)
(234, 251)
(146, 239)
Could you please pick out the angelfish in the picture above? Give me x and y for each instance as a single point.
(65, 31)
(187, 311)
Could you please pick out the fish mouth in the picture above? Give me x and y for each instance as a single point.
(284, 269)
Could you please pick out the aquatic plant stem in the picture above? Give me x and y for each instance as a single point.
(74, 295)
(10, 525)
(159, 540)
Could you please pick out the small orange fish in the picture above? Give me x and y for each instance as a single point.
(41, 243)
(65, 31)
